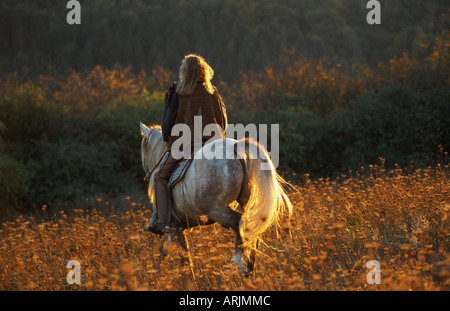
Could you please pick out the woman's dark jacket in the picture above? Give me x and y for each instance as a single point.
(182, 109)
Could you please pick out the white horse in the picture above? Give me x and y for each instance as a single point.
(210, 185)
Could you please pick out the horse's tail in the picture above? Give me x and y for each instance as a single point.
(267, 200)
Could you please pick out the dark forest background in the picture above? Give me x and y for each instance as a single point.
(234, 35)
(346, 94)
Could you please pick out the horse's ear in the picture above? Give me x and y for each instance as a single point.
(144, 129)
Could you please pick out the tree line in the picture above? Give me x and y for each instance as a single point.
(234, 35)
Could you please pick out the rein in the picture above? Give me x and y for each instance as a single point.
(150, 171)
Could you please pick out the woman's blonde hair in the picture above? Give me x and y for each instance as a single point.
(194, 67)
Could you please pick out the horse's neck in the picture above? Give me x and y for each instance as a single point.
(158, 154)
(155, 150)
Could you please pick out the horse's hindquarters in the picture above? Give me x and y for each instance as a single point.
(208, 185)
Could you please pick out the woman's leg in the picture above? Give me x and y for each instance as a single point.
(163, 199)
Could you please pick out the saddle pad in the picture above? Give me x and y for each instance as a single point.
(179, 172)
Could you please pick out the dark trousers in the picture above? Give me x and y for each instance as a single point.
(163, 197)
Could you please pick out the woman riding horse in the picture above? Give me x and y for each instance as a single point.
(193, 96)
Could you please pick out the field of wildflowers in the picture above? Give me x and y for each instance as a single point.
(396, 217)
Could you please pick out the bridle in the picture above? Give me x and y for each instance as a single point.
(150, 171)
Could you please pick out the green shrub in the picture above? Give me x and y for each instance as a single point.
(13, 181)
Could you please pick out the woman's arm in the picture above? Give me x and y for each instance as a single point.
(170, 111)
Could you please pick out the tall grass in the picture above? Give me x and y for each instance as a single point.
(338, 225)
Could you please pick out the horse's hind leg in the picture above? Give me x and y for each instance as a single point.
(252, 259)
(229, 218)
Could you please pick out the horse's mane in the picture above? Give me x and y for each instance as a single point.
(152, 150)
